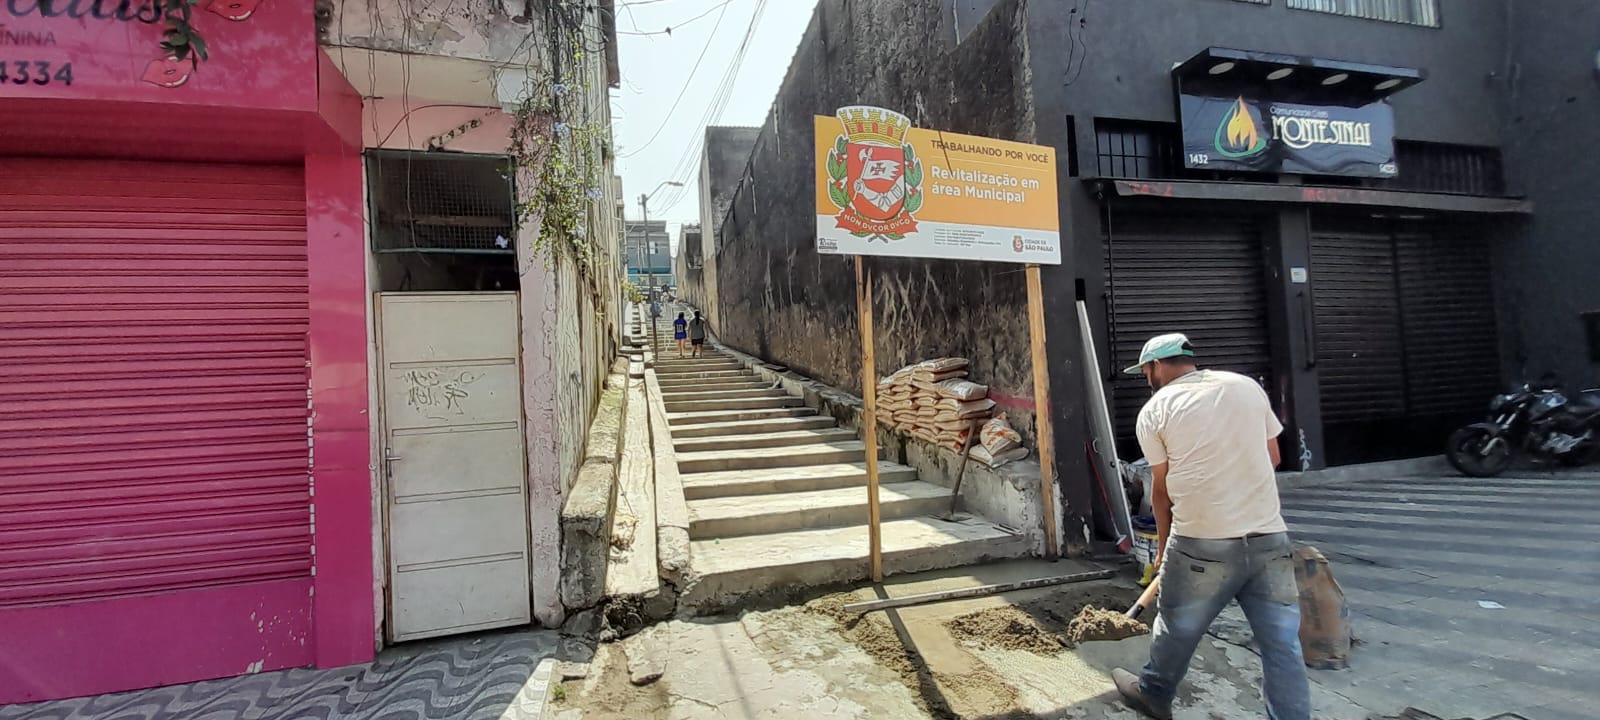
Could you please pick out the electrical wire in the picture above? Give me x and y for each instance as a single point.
(668, 30)
(687, 81)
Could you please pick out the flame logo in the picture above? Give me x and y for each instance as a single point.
(1237, 135)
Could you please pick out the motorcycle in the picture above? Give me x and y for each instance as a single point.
(1538, 420)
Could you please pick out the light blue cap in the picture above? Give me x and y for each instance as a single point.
(1162, 347)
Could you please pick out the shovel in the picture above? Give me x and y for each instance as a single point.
(1146, 599)
(961, 471)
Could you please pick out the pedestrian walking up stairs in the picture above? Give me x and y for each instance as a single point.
(777, 493)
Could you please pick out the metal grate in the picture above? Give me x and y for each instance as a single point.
(1136, 149)
(1408, 12)
(440, 202)
(1445, 168)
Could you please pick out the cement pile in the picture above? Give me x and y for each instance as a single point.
(1008, 627)
(1093, 623)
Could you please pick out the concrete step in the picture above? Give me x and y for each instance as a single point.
(699, 377)
(704, 359)
(779, 400)
(763, 440)
(728, 483)
(747, 382)
(729, 416)
(729, 393)
(734, 569)
(758, 458)
(746, 427)
(728, 517)
(690, 370)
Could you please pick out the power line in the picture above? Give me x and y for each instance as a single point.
(686, 83)
(668, 30)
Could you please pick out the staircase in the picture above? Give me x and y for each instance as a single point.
(777, 493)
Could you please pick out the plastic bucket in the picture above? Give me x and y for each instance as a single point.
(1144, 547)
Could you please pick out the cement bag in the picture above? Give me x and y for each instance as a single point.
(994, 460)
(998, 436)
(974, 409)
(938, 365)
(963, 390)
(1325, 633)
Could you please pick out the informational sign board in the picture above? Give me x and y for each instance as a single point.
(1237, 132)
(886, 188)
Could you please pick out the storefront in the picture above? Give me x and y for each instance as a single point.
(1299, 242)
(181, 317)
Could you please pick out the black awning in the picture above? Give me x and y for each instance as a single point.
(1290, 78)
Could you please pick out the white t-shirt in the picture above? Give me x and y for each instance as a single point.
(1211, 428)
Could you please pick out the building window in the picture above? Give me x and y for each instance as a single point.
(1136, 149)
(441, 222)
(1409, 12)
(1446, 168)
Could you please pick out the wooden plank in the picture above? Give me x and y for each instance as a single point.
(1043, 427)
(869, 423)
(981, 590)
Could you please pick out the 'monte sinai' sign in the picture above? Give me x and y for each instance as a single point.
(1242, 133)
(886, 188)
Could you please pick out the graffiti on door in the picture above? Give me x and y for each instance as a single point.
(438, 393)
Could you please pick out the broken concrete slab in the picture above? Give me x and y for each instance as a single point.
(647, 661)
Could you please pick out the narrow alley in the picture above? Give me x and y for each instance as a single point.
(799, 359)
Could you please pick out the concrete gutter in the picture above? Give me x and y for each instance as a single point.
(586, 514)
(1007, 496)
(672, 510)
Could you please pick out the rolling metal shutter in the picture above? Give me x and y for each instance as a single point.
(1356, 307)
(153, 322)
(1405, 323)
(1202, 276)
(1447, 308)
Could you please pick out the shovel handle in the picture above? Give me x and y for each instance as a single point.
(1146, 599)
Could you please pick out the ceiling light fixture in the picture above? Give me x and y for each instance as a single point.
(1385, 85)
(1280, 73)
(1221, 67)
(1335, 78)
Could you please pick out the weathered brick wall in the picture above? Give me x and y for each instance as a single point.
(782, 301)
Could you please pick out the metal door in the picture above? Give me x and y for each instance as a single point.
(456, 498)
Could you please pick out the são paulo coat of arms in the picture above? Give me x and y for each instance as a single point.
(874, 176)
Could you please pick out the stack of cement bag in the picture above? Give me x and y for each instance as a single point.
(933, 401)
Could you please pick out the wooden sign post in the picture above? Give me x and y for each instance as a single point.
(869, 406)
(1042, 425)
(871, 200)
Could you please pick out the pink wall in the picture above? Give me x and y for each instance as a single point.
(263, 53)
(267, 95)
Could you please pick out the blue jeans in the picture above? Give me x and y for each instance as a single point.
(1198, 578)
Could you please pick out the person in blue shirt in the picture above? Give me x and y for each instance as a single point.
(680, 332)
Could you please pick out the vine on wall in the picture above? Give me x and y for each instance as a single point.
(180, 40)
(558, 149)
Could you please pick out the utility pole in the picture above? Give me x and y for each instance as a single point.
(644, 209)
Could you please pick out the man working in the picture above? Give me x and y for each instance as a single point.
(1212, 443)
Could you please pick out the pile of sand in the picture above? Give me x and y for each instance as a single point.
(1008, 627)
(1093, 623)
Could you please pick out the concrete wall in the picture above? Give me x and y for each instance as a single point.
(782, 301)
(1548, 274)
(722, 167)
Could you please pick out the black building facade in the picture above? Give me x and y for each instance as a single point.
(1381, 300)
(1381, 209)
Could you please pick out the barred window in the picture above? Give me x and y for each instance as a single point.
(1409, 12)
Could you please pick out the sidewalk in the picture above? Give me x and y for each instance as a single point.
(500, 676)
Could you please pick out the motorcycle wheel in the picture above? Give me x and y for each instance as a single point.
(1466, 453)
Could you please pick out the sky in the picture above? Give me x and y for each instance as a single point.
(653, 146)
